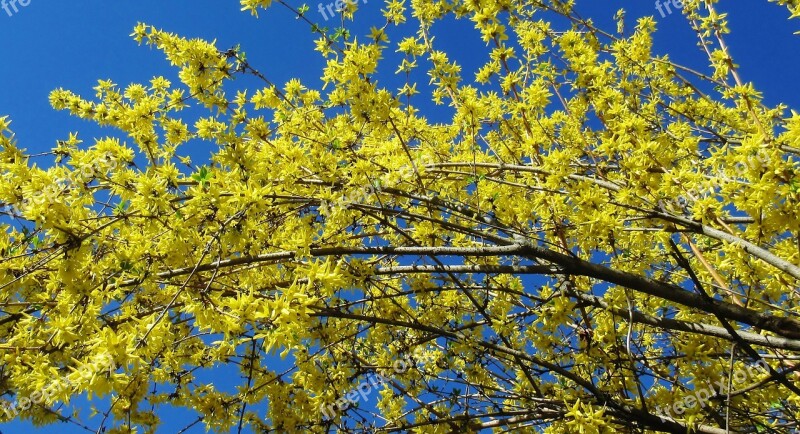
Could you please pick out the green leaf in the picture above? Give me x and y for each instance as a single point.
(202, 176)
(121, 207)
(302, 10)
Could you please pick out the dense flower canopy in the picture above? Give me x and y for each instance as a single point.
(599, 240)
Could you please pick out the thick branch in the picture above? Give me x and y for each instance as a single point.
(786, 327)
(691, 327)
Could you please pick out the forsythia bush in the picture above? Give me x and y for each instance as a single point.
(598, 241)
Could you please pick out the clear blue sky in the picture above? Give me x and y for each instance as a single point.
(71, 44)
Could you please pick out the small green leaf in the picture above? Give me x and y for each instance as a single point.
(302, 10)
(202, 176)
(121, 207)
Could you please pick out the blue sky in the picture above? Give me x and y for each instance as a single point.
(71, 44)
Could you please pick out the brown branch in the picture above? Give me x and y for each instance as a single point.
(785, 327)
